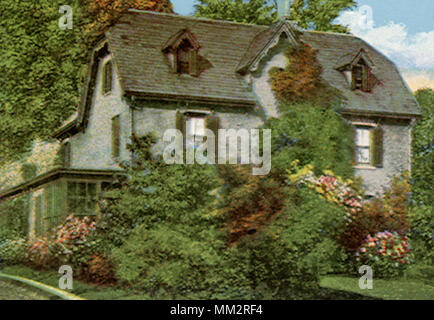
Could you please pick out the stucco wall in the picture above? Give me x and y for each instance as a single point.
(396, 155)
(92, 149)
(157, 117)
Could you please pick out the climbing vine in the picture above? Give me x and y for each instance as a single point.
(300, 80)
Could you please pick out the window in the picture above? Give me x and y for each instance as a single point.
(363, 145)
(195, 130)
(39, 215)
(116, 136)
(186, 58)
(361, 77)
(82, 198)
(369, 145)
(107, 81)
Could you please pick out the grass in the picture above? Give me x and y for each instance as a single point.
(84, 290)
(390, 289)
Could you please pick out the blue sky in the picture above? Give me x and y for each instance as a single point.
(401, 29)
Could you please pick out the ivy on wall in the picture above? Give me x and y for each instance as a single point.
(300, 80)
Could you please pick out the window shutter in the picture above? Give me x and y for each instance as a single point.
(366, 79)
(193, 63)
(181, 125)
(353, 132)
(353, 79)
(212, 122)
(38, 215)
(116, 136)
(377, 147)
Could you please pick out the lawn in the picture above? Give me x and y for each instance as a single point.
(84, 290)
(393, 289)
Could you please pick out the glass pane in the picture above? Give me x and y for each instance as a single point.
(363, 137)
(196, 126)
(82, 190)
(363, 155)
(92, 190)
(72, 189)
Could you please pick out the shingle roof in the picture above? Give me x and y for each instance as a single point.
(138, 39)
(391, 96)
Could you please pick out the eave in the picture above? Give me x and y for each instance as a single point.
(56, 174)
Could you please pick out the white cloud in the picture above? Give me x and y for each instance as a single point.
(392, 39)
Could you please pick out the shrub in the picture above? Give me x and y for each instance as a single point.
(170, 261)
(285, 260)
(386, 253)
(249, 202)
(13, 252)
(387, 213)
(100, 270)
(421, 233)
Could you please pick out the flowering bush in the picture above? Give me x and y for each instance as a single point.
(40, 253)
(387, 253)
(13, 251)
(330, 186)
(67, 246)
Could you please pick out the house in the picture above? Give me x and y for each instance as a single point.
(155, 71)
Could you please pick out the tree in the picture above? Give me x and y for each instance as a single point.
(253, 11)
(310, 14)
(423, 145)
(320, 14)
(106, 12)
(42, 66)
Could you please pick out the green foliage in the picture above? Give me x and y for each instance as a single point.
(422, 233)
(14, 218)
(285, 260)
(252, 11)
(29, 171)
(41, 71)
(313, 135)
(320, 14)
(13, 252)
(309, 14)
(171, 261)
(423, 146)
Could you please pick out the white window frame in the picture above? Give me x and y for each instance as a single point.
(368, 127)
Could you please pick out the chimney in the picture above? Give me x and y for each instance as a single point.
(284, 8)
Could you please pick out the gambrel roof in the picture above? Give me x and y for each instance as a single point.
(139, 42)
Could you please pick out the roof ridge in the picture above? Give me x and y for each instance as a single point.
(175, 15)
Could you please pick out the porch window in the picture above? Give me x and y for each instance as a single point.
(82, 198)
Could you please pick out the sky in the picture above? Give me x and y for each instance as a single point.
(403, 30)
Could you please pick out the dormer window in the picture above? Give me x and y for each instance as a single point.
(107, 77)
(186, 58)
(360, 77)
(182, 52)
(358, 71)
